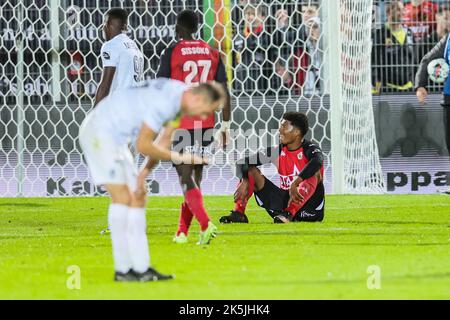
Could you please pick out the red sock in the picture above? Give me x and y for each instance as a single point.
(240, 205)
(194, 200)
(306, 189)
(185, 219)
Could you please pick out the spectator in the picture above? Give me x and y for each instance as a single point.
(392, 53)
(442, 27)
(252, 45)
(308, 12)
(309, 59)
(419, 16)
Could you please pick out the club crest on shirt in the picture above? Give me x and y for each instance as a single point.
(106, 55)
(300, 155)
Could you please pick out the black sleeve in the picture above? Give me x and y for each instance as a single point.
(221, 75)
(269, 155)
(315, 156)
(164, 64)
(422, 74)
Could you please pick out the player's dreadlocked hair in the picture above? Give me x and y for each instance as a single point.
(119, 14)
(187, 22)
(298, 120)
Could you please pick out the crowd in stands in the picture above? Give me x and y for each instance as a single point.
(277, 46)
(280, 49)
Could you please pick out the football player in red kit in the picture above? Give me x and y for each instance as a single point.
(301, 195)
(193, 61)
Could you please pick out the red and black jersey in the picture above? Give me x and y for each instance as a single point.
(192, 61)
(303, 162)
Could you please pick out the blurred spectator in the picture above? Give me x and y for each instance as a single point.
(308, 12)
(392, 53)
(420, 17)
(308, 60)
(252, 46)
(442, 27)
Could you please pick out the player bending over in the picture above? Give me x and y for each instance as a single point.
(104, 138)
(300, 166)
(193, 61)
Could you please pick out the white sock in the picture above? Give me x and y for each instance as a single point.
(117, 220)
(137, 239)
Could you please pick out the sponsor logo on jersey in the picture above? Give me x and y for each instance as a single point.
(106, 55)
(286, 180)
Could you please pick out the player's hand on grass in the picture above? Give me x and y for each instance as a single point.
(294, 194)
(421, 94)
(242, 190)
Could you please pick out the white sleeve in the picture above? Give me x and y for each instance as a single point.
(153, 121)
(110, 55)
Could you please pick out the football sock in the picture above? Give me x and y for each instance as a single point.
(137, 240)
(185, 219)
(194, 200)
(306, 190)
(117, 221)
(240, 205)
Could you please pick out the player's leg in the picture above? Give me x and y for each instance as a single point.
(117, 221)
(194, 201)
(100, 154)
(137, 225)
(256, 182)
(307, 189)
(186, 215)
(314, 209)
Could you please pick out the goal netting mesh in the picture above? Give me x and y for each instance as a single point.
(277, 57)
(362, 170)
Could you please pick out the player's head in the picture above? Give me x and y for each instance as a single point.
(116, 22)
(187, 24)
(204, 99)
(293, 127)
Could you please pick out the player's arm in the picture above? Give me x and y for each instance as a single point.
(421, 80)
(105, 85)
(164, 70)
(163, 140)
(255, 160)
(315, 163)
(147, 147)
(110, 60)
(223, 132)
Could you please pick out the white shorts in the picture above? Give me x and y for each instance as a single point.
(108, 162)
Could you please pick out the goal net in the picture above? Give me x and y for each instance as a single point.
(280, 56)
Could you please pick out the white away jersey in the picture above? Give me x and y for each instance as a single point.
(122, 53)
(121, 114)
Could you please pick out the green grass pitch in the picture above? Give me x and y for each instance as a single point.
(407, 237)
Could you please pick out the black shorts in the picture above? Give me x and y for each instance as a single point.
(195, 141)
(273, 199)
